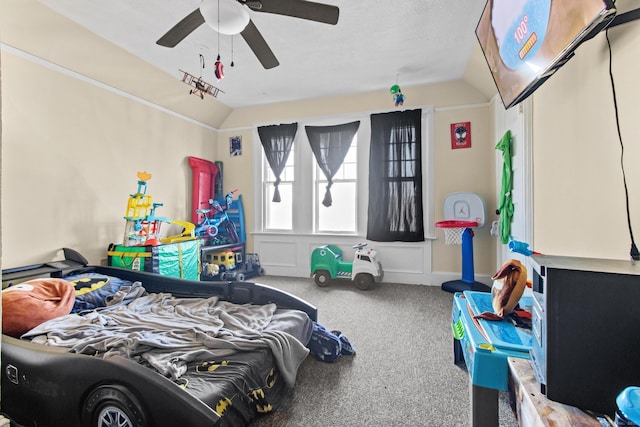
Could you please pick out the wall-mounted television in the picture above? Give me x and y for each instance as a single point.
(526, 41)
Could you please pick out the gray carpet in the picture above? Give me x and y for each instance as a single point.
(403, 373)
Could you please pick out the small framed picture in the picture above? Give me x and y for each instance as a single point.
(235, 146)
(461, 135)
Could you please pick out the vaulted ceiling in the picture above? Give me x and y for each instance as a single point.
(375, 44)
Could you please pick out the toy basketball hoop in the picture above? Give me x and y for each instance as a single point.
(453, 230)
(463, 211)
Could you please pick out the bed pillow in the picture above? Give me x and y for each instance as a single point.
(93, 289)
(28, 304)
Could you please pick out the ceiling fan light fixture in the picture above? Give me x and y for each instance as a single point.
(233, 17)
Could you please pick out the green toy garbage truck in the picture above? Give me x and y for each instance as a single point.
(327, 264)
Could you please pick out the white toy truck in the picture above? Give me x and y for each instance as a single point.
(327, 264)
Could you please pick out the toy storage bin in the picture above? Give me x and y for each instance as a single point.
(180, 260)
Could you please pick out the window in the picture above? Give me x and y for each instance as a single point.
(277, 143)
(335, 181)
(395, 209)
(279, 216)
(341, 216)
(303, 184)
(303, 187)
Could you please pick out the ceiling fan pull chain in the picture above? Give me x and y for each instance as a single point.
(232, 51)
(218, 33)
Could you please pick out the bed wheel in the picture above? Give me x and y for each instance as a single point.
(322, 278)
(112, 405)
(364, 281)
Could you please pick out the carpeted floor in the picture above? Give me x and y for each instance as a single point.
(403, 373)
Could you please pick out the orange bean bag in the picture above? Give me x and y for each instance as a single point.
(28, 304)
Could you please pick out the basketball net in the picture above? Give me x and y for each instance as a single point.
(453, 235)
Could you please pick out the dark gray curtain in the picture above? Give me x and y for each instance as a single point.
(330, 145)
(395, 177)
(277, 141)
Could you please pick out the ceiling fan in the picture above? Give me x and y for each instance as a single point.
(231, 17)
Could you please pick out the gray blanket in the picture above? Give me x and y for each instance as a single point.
(168, 332)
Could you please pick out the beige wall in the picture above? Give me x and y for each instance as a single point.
(469, 169)
(579, 201)
(579, 205)
(238, 172)
(71, 150)
(455, 170)
(30, 26)
(70, 153)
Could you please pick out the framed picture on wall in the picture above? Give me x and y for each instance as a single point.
(460, 135)
(235, 146)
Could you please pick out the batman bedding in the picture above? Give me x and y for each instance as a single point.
(239, 359)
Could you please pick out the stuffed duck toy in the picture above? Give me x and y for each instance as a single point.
(513, 278)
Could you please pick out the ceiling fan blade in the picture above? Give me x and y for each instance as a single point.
(182, 29)
(318, 12)
(259, 46)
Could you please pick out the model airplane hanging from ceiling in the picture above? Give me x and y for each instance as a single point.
(200, 87)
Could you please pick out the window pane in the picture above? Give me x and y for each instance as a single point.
(279, 215)
(286, 175)
(287, 172)
(350, 171)
(352, 154)
(341, 215)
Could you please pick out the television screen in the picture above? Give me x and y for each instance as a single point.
(526, 41)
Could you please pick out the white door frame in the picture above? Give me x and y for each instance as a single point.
(519, 120)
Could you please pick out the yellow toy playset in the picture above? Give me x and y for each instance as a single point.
(143, 226)
(144, 249)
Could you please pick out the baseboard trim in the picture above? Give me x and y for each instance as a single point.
(401, 278)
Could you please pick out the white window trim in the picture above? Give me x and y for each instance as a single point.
(303, 187)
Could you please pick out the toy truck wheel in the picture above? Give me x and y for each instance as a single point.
(322, 278)
(364, 281)
(240, 277)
